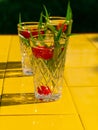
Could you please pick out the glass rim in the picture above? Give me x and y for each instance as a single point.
(28, 23)
(58, 18)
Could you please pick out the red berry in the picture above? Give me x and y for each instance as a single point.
(60, 25)
(44, 90)
(34, 32)
(25, 33)
(43, 52)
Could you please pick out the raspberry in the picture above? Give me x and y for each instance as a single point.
(43, 52)
(44, 90)
(60, 25)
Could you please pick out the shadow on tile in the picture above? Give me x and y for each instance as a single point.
(94, 39)
(11, 69)
(19, 99)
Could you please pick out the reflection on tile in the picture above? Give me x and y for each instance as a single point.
(11, 69)
(41, 122)
(18, 98)
(25, 103)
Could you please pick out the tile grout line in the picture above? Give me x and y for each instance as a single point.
(75, 104)
(5, 70)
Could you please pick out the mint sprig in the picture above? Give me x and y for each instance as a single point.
(46, 16)
(69, 12)
(48, 26)
(20, 21)
(58, 33)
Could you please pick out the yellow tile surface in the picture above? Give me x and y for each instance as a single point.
(93, 38)
(78, 43)
(1, 85)
(5, 42)
(78, 107)
(18, 98)
(52, 122)
(14, 58)
(82, 77)
(81, 52)
(4, 49)
(82, 59)
(86, 101)
(90, 121)
(14, 53)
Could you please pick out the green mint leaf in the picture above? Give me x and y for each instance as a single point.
(40, 21)
(60, 32)
(40, 26)
(69, 12)
(32, 39)
(51, 28)
(25, 41)
(20, 20)
(46, 14)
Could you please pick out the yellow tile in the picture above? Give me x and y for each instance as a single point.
(81, 52)
(90, 121)
(41, 122)
(5, 41)
(77, 76)
(86, 99)
(4, 49)
(1, 86)
(13, 69)
(14, 53)
(18, 85)
(93, 38)
(84, 59)
(18, 98)
(79, 43)
(2, 70)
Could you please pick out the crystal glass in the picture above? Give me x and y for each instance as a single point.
(25, 29)
(58, 22)
(48, 56)
(55, 20)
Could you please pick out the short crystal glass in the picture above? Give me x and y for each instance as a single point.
(48, 56)
(55, 20)
(58, 21)
(25, 29)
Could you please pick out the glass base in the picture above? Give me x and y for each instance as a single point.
(27, 72)
(47, 98)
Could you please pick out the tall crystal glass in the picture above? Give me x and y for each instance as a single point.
(48, 55)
